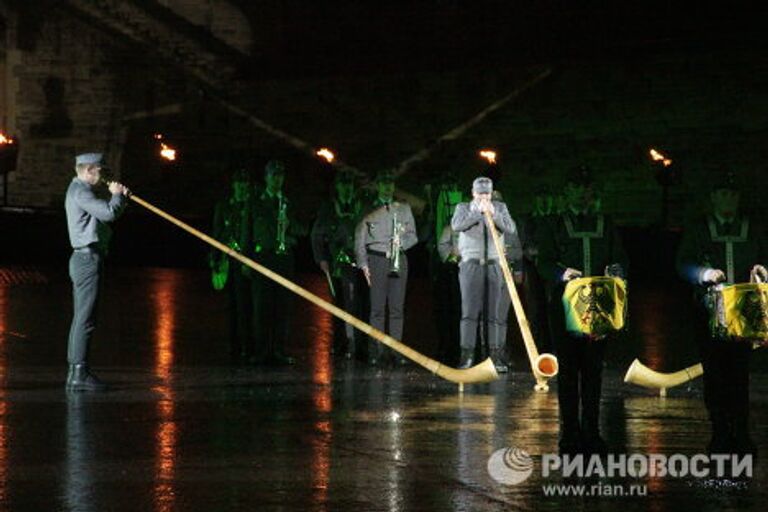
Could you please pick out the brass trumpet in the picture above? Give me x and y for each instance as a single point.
(282, 224)
(394, 246)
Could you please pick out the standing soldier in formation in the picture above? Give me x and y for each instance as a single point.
(578, 243)
(480, 277)
(725, 247)
(333, 247)
(271, 244)
(534, 291)
(447, 294)
(231, 226)
(381, 239)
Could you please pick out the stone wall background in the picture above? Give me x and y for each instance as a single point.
(77, 85)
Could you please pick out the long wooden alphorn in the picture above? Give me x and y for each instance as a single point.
(544, 366)
(483, 372)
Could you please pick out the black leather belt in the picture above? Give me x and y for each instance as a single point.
(87, 250)
(478, 261)
(376, 253)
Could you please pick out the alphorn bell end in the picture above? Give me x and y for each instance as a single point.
(546, 366)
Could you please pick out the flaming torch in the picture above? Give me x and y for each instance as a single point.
(327, 154)
(166, 151)
(658, 157)
(666, 176)
(9, 152)
(489, 155)
(6, 140)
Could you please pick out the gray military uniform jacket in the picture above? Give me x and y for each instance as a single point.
(448, 245)
(88, 215)
(469, 223)
(374, 231)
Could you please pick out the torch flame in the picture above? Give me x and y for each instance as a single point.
(326, 153)
(5, 140)
(658, 157)
(167, 152)
(489, 155)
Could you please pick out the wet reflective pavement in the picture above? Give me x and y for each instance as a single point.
(183, 430)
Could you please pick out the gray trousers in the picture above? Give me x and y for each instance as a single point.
(471, 282)
(85, 271)
(387, 292)
(505, 303)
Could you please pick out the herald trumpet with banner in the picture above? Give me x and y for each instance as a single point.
(595, 306)
(739, 312)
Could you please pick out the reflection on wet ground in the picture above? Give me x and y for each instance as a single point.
(185, 431)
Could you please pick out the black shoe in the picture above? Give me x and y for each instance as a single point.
(742, 441)
(466, 359)
(80, 379)
(281, 359)
(349, 353)
(721, 441)
(594, 445)
(499, 362)
(570, 444)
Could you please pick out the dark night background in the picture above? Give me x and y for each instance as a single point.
(376, 83)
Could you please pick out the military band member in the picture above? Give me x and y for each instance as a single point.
(480, 277)
(271, 244)
(88, 218)
(381, 239)
(444, 266)
(534, 290)
(333, 247)
(578, 243)
(231, 225)
(724, 247)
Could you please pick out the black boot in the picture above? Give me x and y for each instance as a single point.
(79, 378)
(721, 441)
(570, 441)
(350, 352)
(593, 444)
(499, 361)
(466, 358)
(742, 441)
(374, 353)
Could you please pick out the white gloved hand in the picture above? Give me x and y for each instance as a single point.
(571, 273)
(760, 273)
(712, 276)
(474, 206)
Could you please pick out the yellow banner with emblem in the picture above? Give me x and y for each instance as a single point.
(595, 306)
(741, 312)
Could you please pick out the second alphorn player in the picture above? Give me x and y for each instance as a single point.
(480, 277)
